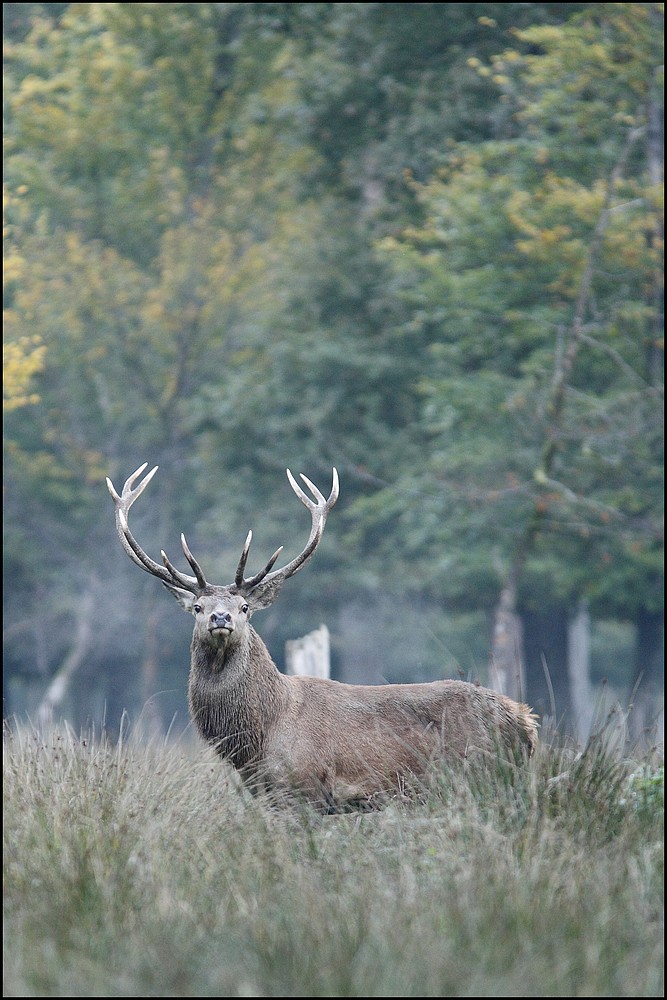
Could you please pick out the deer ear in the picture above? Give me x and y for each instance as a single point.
(184, 597)
(264, 594)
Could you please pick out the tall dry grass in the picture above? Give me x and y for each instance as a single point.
(142, 870)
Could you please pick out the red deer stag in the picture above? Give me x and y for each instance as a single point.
(337, 744)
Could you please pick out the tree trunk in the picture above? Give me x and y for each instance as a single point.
(545, 644)
(150, 722)
(647, 719)
(81, 645)
(579, 666)
(506, 665)
(309, 656)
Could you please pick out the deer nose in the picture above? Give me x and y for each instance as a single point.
(220, 619)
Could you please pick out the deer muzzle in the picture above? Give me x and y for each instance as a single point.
(220, 621)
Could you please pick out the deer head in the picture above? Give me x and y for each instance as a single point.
(220, 612)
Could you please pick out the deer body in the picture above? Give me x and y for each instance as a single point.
(334, 743)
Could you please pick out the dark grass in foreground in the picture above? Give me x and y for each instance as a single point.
(145, 870)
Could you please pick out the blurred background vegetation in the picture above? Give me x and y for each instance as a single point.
(419, 242)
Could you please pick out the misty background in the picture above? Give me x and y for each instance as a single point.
(418, 242)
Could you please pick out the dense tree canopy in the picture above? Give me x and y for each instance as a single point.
(422, 243)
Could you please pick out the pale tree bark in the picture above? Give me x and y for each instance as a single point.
(579, 667)
(150, 720)
(309, 656)
(82, 643)
(505, 666)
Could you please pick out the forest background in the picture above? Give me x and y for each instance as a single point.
(419, 242)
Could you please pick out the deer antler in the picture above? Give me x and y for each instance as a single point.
(319, 509)
(318, 512)
(167, 573)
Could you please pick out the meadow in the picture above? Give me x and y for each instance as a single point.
(143, 869)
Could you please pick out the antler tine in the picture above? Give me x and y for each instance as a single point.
(239, 580)
(201, 579)
(181, 578)
(322, 505)
(129, 495)
(319, 509)
(305, 499)
(167, 573)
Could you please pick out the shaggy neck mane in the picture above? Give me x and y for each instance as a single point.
(235, 691)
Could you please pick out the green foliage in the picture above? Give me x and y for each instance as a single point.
(387, 88)
(20, 361)
(592, 78)
(109, 112)
(145, 870)
(500, 278)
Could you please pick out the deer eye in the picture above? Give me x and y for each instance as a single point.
(244, 609)
(197, 609)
